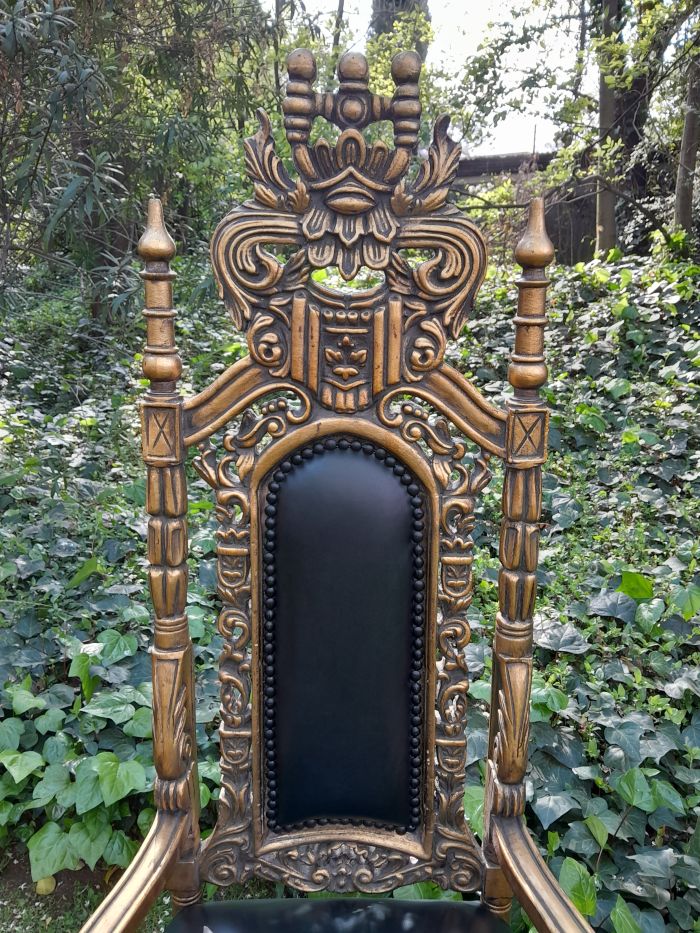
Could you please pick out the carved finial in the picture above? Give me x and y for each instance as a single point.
(527, 370)
(353, 68)
(301, 65)
(299, 104)
(535, 249)
(405, 67)
(405, 104)
(156, 244)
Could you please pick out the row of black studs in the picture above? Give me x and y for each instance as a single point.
(417, 627)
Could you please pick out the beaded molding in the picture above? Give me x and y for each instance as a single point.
(417, 679)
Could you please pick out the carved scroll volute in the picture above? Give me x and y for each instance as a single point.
(526, 448)
(174, 745)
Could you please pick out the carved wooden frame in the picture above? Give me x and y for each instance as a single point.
(366, 859)
(360, 367)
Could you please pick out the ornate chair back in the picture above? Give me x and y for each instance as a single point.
(346, 482)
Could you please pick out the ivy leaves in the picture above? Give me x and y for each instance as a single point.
(579, 885)
(21, 764)
(88, 840)
(117, 778)
(613, 784)
(50, 851)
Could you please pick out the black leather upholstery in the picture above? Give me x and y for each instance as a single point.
(336, 915)
(342, 636)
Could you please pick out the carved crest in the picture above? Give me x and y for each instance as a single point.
(351, 206)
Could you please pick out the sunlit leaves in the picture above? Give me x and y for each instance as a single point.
(21, 764)
(50, 851)
(636, 585)
(110, 706)
(622, 919)
(579, 885)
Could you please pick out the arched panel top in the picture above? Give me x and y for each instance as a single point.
(342, 649)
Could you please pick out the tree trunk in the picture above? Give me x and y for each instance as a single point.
(384, 13)
(276, 51)
(687, 161)
(336, 35)
(606, 228)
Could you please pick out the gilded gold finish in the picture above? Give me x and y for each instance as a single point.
(361, 366)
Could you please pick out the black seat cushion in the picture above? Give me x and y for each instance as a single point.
(336, 915)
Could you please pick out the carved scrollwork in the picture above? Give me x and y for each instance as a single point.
(275, 418)
(449, 281)
(233, 578)
(272, 185)
(351, 206)
(455, 595)
(424, 345)
(268, 340)
(432, 184)
(247, 274)
(341, 867)
(417, 426)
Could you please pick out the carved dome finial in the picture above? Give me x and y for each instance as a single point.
(353, 67)
(156, 244)
(405, 67)
(535, 249)
(301, 65)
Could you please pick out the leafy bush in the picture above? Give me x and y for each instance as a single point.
(613, 787)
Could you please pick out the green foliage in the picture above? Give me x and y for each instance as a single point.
(615, 742)
(578, 884)
(614, 781)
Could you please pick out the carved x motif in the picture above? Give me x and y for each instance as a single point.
(161, 423)
(531, 439)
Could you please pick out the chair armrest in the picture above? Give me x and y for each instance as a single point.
(129, 901)
(535, 886)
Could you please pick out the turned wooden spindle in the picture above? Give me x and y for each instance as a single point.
(405, 104)
(300, 103)
(174, 742)
(353, 105)
(527, 371)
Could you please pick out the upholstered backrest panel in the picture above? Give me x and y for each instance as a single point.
(340, 586)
